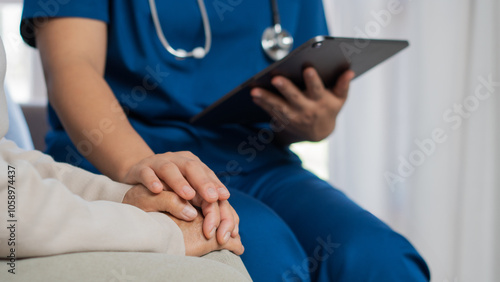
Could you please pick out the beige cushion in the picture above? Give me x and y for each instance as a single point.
(114, 266)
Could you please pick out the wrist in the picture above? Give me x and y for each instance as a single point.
(124, 167)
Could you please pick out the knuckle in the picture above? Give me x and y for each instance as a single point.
(217, 218)
(178, 182)
(317, 87)
(267, 104)
(280, 109)
(149, 159)
(206, 207)
(293, 95)
(169, 197)
(231, 224)
(227, 216)
(308, 117)
(168, 154)
(286, 85)
(144, 172)
(188, 154)
(173, 200)
(191, 164)
(167, 166)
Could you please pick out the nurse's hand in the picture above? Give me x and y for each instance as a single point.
(304, 115)
(182, 172)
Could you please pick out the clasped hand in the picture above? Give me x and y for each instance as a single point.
(177, 182)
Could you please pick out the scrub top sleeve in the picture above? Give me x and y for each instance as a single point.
(37, 12)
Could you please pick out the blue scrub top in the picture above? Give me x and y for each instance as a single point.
(160, 93)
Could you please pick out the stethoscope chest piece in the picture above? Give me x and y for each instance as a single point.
(276, 42)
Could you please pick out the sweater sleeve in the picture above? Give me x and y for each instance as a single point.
(44, 217)
(87, 185)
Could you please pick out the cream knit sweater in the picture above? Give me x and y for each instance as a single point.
(49, 208)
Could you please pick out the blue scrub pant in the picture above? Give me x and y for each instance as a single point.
(297, 227)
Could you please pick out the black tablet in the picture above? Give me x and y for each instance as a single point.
(330, 56)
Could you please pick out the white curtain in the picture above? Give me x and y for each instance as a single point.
(416, 143)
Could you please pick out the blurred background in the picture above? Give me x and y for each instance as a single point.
(416, 142)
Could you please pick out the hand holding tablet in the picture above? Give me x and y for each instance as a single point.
(329, 56)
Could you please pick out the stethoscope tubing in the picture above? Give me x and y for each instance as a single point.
(179, 53)
(201, 52)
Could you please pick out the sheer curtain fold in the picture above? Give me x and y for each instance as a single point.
(416, 143)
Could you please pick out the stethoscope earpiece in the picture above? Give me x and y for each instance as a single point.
(199, 53)
(276, 42)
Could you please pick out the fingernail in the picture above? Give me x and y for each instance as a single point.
(212, 233)
(211, 193)
(223, 191)
(187, 190)
(256, 93)
(277, 82)
(157, 185)
(189, 212)
(310, 73)
(351, 75)
(226, 237)
(236, 229)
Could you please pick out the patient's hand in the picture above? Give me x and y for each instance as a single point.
(219, 218)
(165, 201)
(197, 244)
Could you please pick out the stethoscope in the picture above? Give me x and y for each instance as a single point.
(276, 42)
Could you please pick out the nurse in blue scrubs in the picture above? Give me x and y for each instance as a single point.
(120, 103)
